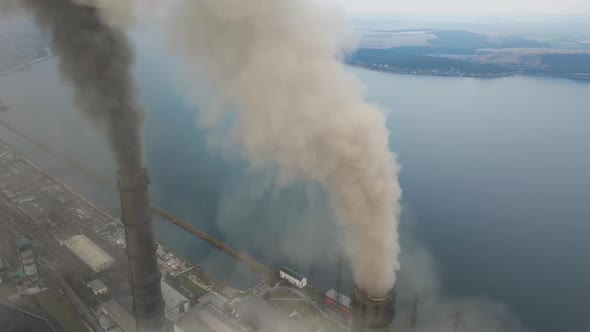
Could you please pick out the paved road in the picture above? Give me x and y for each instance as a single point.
(49, 55)
(308, 301)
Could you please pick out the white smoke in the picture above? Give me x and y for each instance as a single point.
(275, 66)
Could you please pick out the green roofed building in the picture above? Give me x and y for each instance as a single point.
(23, 244)
(19, 274)
(28, 260)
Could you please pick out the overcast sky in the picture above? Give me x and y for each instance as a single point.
(461, 7)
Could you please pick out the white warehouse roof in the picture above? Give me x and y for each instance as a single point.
(345, 300)
(91, 254)
(97, 286)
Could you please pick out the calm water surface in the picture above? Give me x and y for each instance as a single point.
(494, 171)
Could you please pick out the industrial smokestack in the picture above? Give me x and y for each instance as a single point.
(371, 314)
(97, 60)
(144, 273)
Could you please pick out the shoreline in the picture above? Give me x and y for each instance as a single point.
(587, 79)
(49, 55)
(257, 267)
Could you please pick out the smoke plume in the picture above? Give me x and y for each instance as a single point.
(273, 65)
(96, 59)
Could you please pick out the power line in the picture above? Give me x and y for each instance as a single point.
(339, 267)
(413, 319)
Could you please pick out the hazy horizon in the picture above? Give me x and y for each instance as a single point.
(465, 7)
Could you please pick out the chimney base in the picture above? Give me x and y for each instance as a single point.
(370, 314)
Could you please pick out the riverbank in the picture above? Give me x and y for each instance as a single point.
(581, 77)
(48, 56)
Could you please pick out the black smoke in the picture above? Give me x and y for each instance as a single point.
(96, 59)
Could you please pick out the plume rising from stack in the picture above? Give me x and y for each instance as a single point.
(96, 59)
(275, 65)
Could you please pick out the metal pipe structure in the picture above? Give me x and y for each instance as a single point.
(372, 315)
(144, 273)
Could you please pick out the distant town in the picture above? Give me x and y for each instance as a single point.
(428, 52)
(468, 54)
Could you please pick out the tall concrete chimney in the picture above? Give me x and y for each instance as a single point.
(144, 273)
(372, 315)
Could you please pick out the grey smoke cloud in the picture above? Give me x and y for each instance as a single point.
(274, 65)
(8, 7)
(96, 59)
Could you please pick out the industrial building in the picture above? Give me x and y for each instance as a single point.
(98, 287)
(117, 313)
(208, 318)
(91, 254)
(200, 318)
(214, 299)
(262, 316)
(27, 257)
(176, 304)
(342, 302)
(293, 277)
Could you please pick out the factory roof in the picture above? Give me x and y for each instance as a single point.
(120, 315)
(19, 274)
(292, 273)
(345, 300)
(263, 315)
(172, 297)
(206, 318)
(24, 244)
(97, 286)
(88, 251)
(214, 299)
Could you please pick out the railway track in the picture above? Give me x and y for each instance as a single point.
(256, 266)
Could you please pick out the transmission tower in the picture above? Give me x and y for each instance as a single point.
(413, 320)
(457, 321)
(339, 267)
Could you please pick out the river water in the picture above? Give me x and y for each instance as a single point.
(495, 179)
